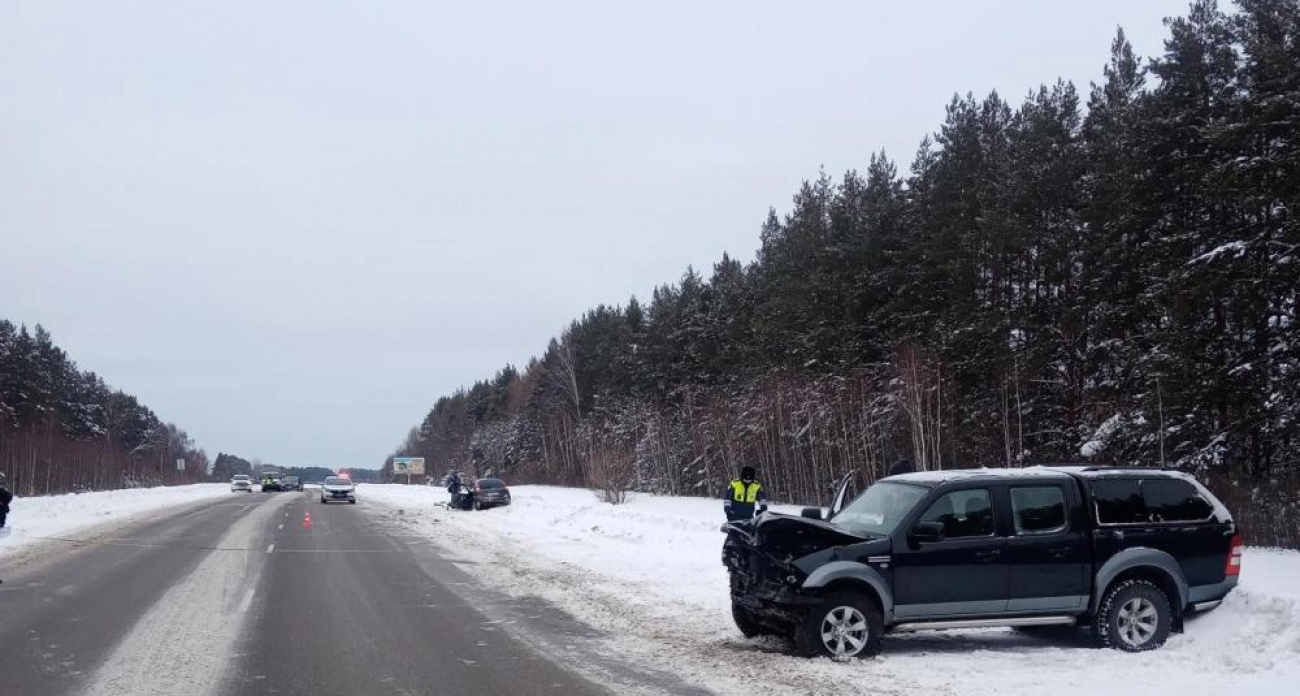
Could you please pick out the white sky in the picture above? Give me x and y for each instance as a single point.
(290, 226)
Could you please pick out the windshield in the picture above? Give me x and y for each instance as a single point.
(336, 481)
(491, 483)
(879, 509)
(241, 477)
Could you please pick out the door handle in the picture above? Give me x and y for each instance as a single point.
(988, 555)
(1061, 552)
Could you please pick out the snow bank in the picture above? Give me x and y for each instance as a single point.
(36, 520)
(649, 572)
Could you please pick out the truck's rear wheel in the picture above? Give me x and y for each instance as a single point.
(1134, 616)
(845, 625)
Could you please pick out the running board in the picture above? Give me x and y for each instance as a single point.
(987, 623)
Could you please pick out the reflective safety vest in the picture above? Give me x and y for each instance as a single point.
(741, 493)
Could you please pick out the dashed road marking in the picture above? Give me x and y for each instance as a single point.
(270, 548)
(248, 600)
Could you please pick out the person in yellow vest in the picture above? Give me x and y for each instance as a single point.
(743, 495)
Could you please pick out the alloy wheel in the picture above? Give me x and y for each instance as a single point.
(1137, 621)
(844, 631)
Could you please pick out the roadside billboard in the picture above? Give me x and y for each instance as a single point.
(408, 465)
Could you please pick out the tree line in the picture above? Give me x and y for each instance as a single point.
(63, 429)
(1108, 277)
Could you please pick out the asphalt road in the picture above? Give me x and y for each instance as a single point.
(238, 597)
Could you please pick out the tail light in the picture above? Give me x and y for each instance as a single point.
(1234, 557)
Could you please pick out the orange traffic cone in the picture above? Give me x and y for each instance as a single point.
(306, 521)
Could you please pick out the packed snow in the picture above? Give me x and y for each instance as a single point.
(60, 518)
(648, 573)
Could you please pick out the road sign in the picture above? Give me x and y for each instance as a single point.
(408, 465)
(180, 465)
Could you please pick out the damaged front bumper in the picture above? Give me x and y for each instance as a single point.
(769, 559)
(767, 587)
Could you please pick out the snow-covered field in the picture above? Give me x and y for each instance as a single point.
(648, 573)
(35, 521)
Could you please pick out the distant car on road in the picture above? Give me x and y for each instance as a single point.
(291, 483)
(338, 489)
(241, 483)
(490, 492)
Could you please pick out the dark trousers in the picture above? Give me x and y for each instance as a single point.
(4, 513)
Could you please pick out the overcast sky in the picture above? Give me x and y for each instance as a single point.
(290, 226)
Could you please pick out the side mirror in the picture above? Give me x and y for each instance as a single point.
(927, 532)
(811, 513)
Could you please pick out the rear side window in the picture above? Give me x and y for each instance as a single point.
(967, 513)
(1174, 500)
(1134, 501)
(1119, 501)
(1038, 509)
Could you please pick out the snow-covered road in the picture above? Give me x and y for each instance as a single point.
(648, 573)
(271, 594)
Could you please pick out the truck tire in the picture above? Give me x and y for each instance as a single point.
(746, 623)
(845, 625)
(1134, 616)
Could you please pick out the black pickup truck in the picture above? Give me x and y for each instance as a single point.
(1128, 552)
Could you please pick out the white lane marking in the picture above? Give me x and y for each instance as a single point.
(248, 600)
(270, 548)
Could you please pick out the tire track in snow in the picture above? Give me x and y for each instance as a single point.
(182, 645)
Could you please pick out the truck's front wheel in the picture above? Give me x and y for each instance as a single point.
(1134, 616)
(844, 625)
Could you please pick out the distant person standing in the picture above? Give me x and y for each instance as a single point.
(743, 495)
(5, 498)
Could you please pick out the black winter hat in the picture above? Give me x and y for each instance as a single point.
(748, 472)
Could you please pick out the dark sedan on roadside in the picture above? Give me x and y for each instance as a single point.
(490, 492)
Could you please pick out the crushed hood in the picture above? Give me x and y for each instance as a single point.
(788, 537)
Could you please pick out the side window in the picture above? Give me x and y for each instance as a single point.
(1038, 509)
(1172, 500)
(1119, 501)
(967, 513)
